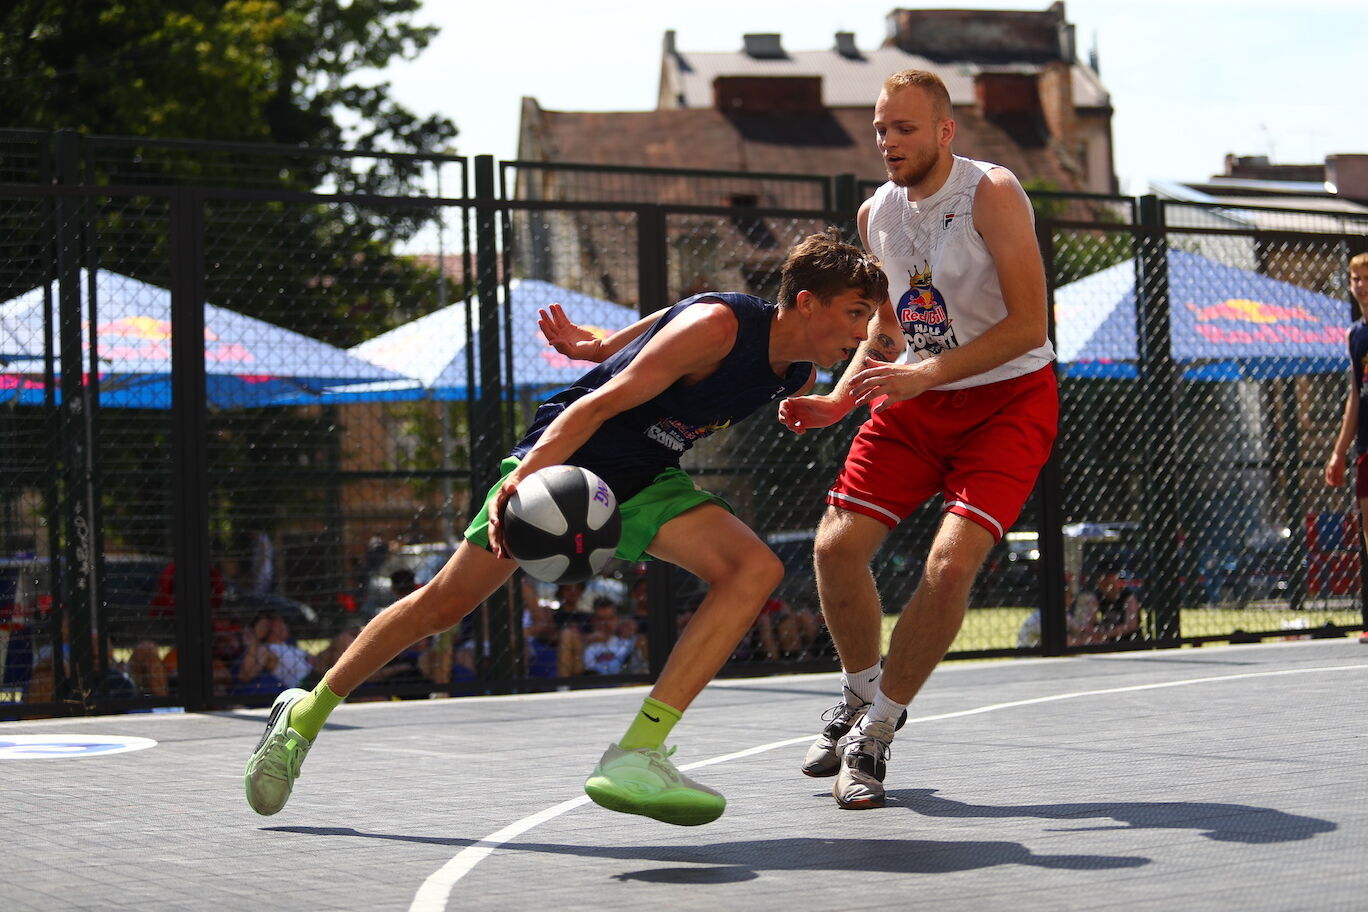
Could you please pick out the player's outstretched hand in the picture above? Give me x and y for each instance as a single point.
(568, 338)
(799, 413)
(880, 384)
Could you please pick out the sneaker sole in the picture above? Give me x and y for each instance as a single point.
(860, 804)
(679, 810)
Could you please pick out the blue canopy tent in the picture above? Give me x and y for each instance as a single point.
(1226, 323)
(432, 350)
(248, 362)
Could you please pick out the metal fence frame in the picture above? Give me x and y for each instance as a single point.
(65, 174)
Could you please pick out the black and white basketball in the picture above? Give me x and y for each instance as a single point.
(562, 524)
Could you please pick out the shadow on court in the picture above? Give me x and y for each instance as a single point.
(735, 861)
(1221, 822)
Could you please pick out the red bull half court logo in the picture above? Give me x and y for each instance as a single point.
(1242, 320)
(924, 317)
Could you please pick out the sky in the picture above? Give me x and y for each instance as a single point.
(1190, 80)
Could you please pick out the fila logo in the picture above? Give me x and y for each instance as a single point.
(949, 217)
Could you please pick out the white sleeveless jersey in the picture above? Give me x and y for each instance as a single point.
(941, 277)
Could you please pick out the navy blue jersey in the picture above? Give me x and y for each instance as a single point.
(1358, 357)
(631, 448)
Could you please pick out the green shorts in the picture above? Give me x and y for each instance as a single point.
(670, 494)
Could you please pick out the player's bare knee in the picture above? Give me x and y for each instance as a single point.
(949, 570)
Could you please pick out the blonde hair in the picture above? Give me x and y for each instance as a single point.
(1359, 259)
(925, 80)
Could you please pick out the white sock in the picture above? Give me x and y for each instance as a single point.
(861, 686)
(883, 710)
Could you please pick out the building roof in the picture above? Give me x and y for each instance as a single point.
(838, 140)
(847, 81)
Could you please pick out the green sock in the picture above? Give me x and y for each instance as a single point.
(651, 726)
(308, 715)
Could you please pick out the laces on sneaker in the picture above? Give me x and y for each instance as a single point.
(883, 749)
(839, 718)
(280, 762)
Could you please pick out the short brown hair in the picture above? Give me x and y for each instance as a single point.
(925, 80)
(1358, 259)
(826, 266)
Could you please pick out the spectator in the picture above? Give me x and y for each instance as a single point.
(1107, 613)
(1353, 433)
(605, 651)
(542, 642)
(270, 660)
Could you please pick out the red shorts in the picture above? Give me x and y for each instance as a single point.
(980, 447)
(1361, 476)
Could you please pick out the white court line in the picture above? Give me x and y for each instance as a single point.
(432, 896)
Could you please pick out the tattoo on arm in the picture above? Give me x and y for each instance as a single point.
(883, 348)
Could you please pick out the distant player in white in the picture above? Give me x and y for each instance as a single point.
(963, 403)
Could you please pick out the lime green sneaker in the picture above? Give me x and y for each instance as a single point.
(275, 763)
(644, 781)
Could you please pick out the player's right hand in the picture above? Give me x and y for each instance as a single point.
(496, 511)
(799, 413)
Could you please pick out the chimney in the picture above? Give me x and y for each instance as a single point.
(1347, 176)
(1012, 101)
(1057, 101)
(845, 46)
(764, 46)
(768, 94)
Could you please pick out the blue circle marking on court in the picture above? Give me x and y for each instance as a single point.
(62, 747)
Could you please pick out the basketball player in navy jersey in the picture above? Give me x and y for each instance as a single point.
(660, 385)
(1353, 432)
(957, 374)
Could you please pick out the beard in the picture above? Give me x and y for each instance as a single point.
(914, 170)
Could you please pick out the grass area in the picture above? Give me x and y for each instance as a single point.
(984, 628)
(996, 628)
(1199, 622)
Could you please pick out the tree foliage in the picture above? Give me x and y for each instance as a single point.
(277, 84)
(284, 71)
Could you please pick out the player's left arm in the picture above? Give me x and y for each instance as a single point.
(574, 341)
(691, 345)
(1003, 218)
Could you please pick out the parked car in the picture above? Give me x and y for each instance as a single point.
(239, 608)
(1011, 574)
(423, 560)
(897, 568)
(129, 585)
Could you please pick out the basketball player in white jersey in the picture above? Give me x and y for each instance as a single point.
(957, 375)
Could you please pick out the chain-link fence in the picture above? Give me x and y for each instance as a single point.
(198, 524)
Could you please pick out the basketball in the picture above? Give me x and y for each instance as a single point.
(562, 524)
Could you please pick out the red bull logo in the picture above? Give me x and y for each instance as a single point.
(147, 338)
(1247, 311)
(1271, 323)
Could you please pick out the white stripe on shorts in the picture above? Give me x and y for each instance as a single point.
(976, 511)
(866, 504)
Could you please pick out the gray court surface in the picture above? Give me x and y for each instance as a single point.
(1215, 778)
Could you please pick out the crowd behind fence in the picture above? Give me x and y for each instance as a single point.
(189, 524)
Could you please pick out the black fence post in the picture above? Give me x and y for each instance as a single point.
(1050, 534)
(653, 294)
(847, 204)
(487, 413)
(189, 449)
(80, 557)
(1159, 391)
